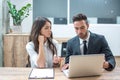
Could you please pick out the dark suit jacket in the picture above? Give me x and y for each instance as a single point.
(97, 44)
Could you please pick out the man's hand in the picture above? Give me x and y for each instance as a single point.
(106, 64)
(65, 66)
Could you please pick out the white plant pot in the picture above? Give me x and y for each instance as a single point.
(16, 29)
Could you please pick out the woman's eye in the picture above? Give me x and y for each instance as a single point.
(46, 28)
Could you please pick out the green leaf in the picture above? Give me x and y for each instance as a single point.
(18, 15)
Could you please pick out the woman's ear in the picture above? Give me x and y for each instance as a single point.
(39, 33)
(51, 35)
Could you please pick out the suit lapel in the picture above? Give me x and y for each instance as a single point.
(91, 42)
(78, 45)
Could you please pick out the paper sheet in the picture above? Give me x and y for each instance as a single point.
(45, 73)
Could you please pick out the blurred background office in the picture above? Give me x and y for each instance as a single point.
(103, 16)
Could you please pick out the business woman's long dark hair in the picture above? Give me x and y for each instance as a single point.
(35, 32)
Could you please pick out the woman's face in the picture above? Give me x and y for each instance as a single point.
(46, 30)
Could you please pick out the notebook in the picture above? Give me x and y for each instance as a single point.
(43, 73)
(85, 65)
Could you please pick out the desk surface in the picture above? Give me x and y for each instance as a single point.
(10, 73)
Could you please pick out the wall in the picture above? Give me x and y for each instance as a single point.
(110, 31)
(1, 33)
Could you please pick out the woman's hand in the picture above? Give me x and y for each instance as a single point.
(41, 39)
(56, 61)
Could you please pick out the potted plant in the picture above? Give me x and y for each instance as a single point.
(18, 15)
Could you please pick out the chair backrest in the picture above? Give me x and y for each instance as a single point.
(28, 64)
(63, 49)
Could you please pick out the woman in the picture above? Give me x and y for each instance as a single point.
(42, 48)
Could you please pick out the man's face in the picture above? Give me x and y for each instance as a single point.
(81, 28)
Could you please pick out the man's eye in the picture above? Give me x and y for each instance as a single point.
(76, 28)
(82, 27)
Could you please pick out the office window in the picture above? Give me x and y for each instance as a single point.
(66, 9)
(56, 9)
(106, 11)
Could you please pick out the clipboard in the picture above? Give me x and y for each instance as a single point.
(42, 73)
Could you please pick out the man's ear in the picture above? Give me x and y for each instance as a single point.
(87, 26)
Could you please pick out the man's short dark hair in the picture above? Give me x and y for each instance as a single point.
(79, 17)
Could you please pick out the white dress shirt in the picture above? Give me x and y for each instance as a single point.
(48, 54)
(81, 43)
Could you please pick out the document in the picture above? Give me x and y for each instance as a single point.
(44, 73)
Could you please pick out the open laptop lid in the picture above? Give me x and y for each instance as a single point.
(85, 65)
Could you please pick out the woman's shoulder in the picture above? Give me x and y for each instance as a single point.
(54, 41)
(29, 44)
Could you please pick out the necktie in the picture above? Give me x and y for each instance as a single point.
(84, 47)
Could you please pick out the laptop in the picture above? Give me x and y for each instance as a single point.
(85, 65)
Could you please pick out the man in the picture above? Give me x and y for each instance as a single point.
(94, 43)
